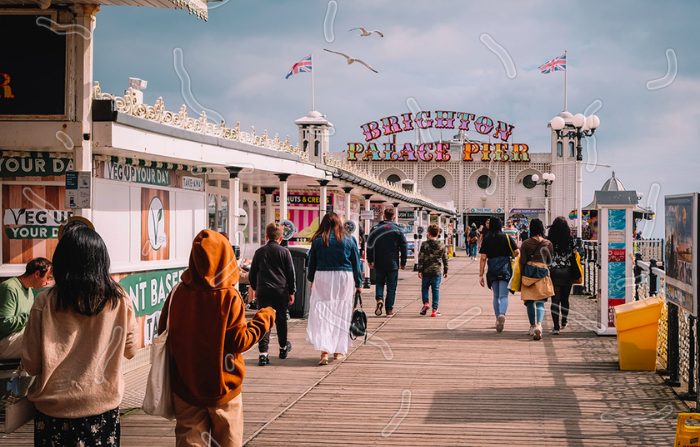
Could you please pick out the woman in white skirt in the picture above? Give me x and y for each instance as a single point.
(334, 273)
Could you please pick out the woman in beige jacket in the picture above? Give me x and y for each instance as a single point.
(536, 285)
(75, 338)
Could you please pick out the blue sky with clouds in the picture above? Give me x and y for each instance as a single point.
(431, 51)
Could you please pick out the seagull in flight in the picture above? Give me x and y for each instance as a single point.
(352, 59)
(366, 33)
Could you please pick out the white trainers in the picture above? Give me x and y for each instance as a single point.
(531, 332)
(538, 332)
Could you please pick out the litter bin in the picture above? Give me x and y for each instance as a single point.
(637, 326)
(300, 258)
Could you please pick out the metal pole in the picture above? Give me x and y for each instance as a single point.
(579, 184)
(691, 394)
(367, 222)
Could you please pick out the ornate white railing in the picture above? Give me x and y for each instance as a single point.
(129, 105)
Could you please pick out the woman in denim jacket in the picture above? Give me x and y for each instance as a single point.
(334, 274)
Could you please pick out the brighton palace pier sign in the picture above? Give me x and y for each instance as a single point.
(437, 151)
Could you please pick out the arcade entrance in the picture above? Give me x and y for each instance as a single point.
(479, 219)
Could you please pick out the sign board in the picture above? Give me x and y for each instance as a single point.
(288, 229)
(155, 224)
(367, 215)
(303, 199)
(527, 211)
(681, 245)
(34, 166)
(350, 226)
(193, 183)
(149, 290)
(136, 174)
(406, 215)
(486, 210)
(78, 189)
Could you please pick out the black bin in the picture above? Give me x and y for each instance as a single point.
(300, 258)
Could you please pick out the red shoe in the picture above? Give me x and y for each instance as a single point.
(436, 313)
(425, 308)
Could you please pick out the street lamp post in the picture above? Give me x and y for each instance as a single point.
(548, 179)
(579, 128)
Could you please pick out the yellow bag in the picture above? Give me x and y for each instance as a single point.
(515, 280)
(580, 269)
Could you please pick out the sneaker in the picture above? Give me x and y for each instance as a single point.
(538, 332)
(563, 326)
(378, 310)
(425, 308)
(389, 313)
(499, 324)
(436, 313)
(555, 331)
(286, 350)
(263, 360)
(531, 332)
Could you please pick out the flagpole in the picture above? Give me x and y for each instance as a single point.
(565, 70)
(313, 105)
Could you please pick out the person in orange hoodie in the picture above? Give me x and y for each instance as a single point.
(208, 333)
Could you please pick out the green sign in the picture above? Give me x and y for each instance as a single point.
(34, 167)
(149, 290)
(137, 174)
(32, 232)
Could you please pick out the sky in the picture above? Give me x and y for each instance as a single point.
(432, 52)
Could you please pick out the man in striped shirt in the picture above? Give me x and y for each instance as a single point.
(510, 230)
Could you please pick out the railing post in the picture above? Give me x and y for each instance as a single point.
(637, 275)
(691, 394)
(672, 346)
(653, 279)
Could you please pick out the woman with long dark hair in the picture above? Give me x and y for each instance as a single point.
(76, 336)
(536, 283)
(497, 249)
(561, 270)
(334, 274)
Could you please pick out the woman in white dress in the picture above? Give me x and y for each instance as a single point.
(334, 273)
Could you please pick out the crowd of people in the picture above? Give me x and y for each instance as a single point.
(63, 334)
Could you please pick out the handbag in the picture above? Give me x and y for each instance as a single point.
(358, 323)
(512, 260)
(577, 270)
(18, 411)
(159, 395)
(515, 280)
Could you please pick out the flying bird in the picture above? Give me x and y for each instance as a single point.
(352, 59)
(366, 33)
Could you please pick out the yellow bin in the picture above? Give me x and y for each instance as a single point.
(637, 326)
(687, 436)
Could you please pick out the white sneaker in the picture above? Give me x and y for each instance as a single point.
(538, 332)
(531, 332)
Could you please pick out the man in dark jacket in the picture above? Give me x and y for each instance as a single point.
(273, 279)
(384, 245)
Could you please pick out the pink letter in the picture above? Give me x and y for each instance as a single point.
(422, 122)
(408, 154)
(444, 120)
(503, 131)
(483, 124)
(407, 121)
(371, 130)
(423, 151)
(464, 120)
(391, 125)
(442, 152)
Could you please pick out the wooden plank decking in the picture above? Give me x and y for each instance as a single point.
(445, 381)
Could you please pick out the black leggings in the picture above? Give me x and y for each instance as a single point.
(280, 303)
(560, 305)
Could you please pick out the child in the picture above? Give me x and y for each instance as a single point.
(431, 253)
(273, 280)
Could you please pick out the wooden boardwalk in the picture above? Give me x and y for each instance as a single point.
(447, 381)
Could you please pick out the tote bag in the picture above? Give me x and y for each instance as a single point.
(577, 268)
(159, 396)
(18, 411)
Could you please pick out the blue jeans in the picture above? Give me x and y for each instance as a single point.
(391, 279)
(533, 306)
(472, 250)
(500, 297)
(428, 282)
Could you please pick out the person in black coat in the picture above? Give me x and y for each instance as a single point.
(386, 253)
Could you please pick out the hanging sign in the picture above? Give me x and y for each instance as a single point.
(303, 199)
(136, 174)
(367, 215)
(193, 183)
(486, 210)
(34, 166)
(406, 215)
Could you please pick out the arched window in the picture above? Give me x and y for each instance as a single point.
(571, 148)
(393, 178)
(223, 219)
(560, 149)
(306, 145)
(212, 213)
(484, 181)
(439, 181)
(317, 144)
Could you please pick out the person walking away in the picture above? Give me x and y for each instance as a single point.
(71, 329)
(334, 273)
(511, 231)
(484, 231)
(561, 269)
(208, 332)
(16, 300)
(432, 254)
(497, 250)
(524, 235)
(473, 241)
(536, 284)
(273, 279)
(386, 252)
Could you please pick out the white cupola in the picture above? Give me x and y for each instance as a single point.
(314, 133)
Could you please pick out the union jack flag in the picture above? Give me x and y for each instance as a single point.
(558, 64)
(303, 66)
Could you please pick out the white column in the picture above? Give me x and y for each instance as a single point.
(367, 223)
(348, 203)
(283, 196)
(322, 207)
(269, 206)
(85, 17)
(234, 203)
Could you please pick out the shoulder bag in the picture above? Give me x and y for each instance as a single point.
(358, 323)
(159, 396)
(576, 269)
(18, 410)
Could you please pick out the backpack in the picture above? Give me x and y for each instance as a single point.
(358, 323)
(474, 238)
